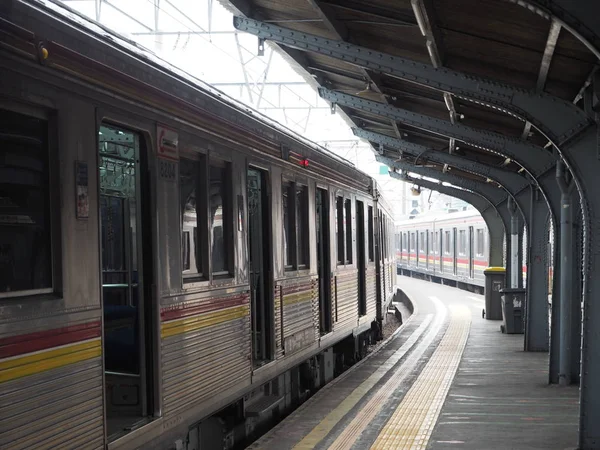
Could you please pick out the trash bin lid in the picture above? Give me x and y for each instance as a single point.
(494, 269)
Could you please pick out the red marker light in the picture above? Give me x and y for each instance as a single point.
(304, 162)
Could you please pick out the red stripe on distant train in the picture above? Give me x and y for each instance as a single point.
(42, 340)
(212, 304)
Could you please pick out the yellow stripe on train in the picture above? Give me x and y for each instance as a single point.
(198, 322)
(22, 366)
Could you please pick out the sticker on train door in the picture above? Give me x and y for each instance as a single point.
(168, 153)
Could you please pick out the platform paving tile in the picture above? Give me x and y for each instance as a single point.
(500, 398)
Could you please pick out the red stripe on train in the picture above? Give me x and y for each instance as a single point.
(42, 340)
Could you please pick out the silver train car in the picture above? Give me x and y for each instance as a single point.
(175, 270)
(450, 248)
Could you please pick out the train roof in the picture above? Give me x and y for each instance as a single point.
(136, 50)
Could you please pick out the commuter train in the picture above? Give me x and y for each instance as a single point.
(450, 248)
(175, 270)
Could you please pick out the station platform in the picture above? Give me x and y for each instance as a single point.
(447, 379)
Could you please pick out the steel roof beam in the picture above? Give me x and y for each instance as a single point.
(496, 195)
(487, 210)
(556, 118)
(551, 41)
(511, 181)
(341, 31)
(535, 159)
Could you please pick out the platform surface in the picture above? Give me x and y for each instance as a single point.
(448, 379)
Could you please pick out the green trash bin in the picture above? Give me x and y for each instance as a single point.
(494, 282)
(513, 310)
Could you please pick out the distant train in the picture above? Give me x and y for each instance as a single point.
(449, 248)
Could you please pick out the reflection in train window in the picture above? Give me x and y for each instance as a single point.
(288, 218)
(190, 184)
(219, 216)
(295, 225)
(480, 244)
(301, 216)
(370, 233)
(25, 241)
(339, 206)
(348, 210)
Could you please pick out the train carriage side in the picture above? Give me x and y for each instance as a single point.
(445, 248)
(201, 265)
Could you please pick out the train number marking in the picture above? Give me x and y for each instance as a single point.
(167, 170)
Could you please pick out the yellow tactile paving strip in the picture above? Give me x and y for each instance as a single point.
(369, 411)
(320, 431)
(412, 423)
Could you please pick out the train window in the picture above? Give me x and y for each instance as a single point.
(289, 241)
(220, 219)
(370, 233)
(348, 212)
(480, 244)
(436, 243)
(25, 213)
(190, 176)
(301, 217)
(422, 242)
(339, 205)
(462, 242)
(412, 242)
(447, 242)
(431, 243)
(185, 250)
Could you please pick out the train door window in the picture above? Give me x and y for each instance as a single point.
(447, 243)
(289, 230)
(370, 232)
(339, 208)
(29, 240)
(348, 212)
(126, 249)
(323, 260)
(454, 249)
(259, 241)
(436, 243)
(220, 217)
(462, 242)
(441, 249)
(301, 216)
(471, 253)
(412, 242)
(194, 249)
(480, 242)
(361, 258)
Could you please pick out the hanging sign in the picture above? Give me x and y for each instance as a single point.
(168, 153)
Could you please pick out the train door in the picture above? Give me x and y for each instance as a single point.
(361, 258)
(259, 244)
(323, 260)
(471, 254)
(454, 251)
(126, 260)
